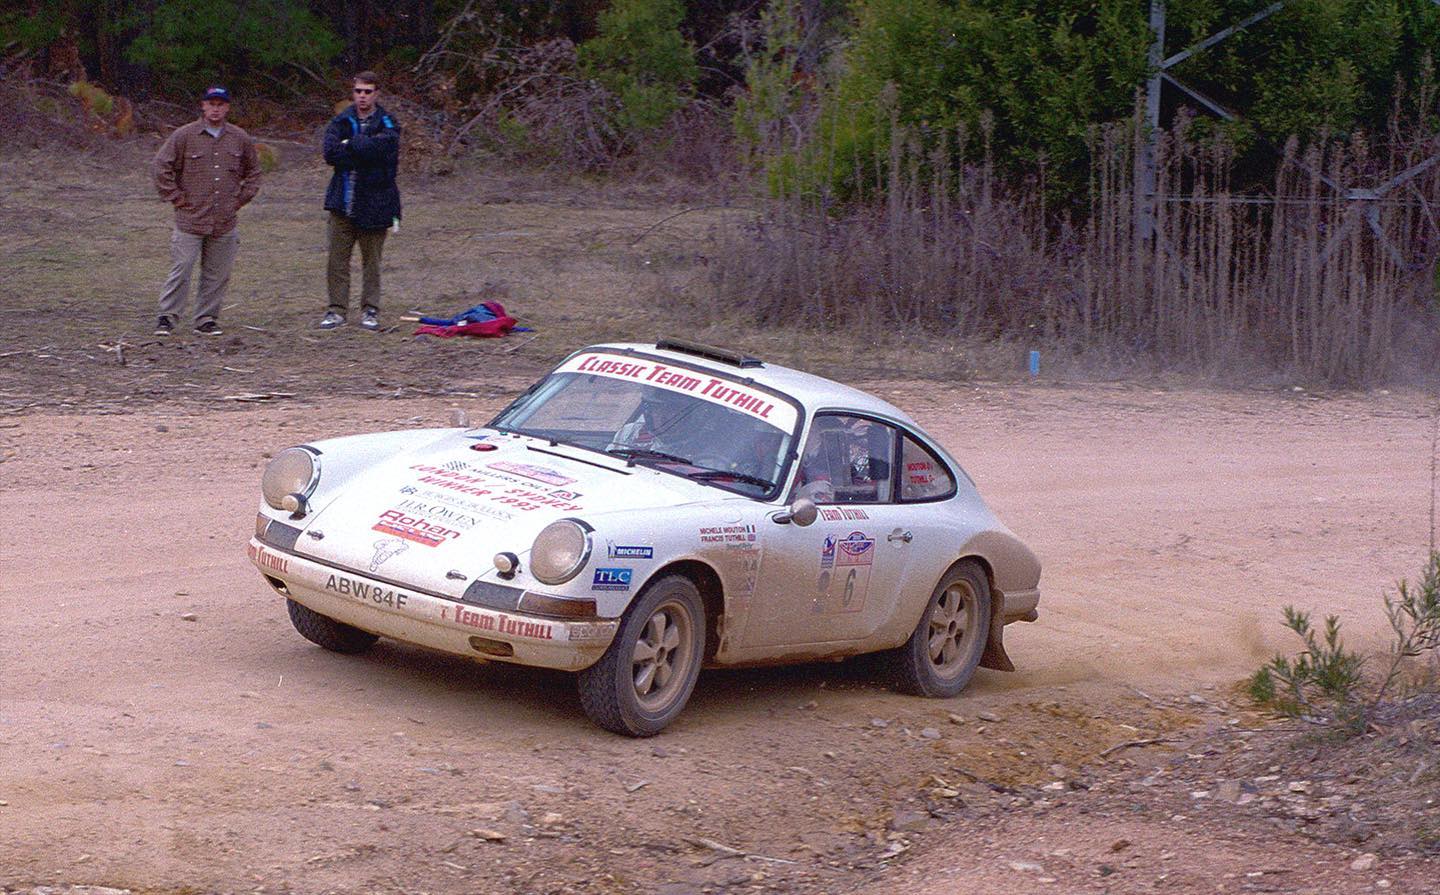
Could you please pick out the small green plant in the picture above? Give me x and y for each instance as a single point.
(1321, 682)
(1414, 616)
(511, 131)
(1325, 680)
(267, 156)
(93, 98)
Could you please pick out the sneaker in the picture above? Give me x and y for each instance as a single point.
(164, 327)
(332, 320)
(208, 328)
(369, 320)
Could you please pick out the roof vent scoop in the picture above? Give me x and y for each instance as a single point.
(710, 352)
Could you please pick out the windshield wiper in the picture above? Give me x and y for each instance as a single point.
(710, 474)
(632, 453)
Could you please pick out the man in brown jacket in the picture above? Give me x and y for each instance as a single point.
(208, 170)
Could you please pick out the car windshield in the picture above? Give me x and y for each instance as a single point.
(685, 422)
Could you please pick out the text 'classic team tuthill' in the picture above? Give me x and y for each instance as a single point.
(209, 169)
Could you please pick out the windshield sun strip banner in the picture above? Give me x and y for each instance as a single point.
(687, 381)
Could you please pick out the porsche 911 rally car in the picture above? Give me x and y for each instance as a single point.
(642, 511)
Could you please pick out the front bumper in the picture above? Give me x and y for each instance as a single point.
(427, 620)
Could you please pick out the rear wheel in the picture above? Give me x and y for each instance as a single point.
(941, 655)
(647, 675)
(327, 632)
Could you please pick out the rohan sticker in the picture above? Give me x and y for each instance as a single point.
(735, 395)
(413, 528)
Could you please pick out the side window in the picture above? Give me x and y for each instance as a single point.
(922, 475)
(847, 459)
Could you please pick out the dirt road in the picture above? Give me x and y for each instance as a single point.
(163, 729)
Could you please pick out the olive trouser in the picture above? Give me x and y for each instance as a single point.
(216, 255)
(343, 235)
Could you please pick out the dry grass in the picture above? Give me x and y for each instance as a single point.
(948, 280)
(84, 247)
(1299, 288)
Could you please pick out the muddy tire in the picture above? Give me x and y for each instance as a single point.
(327, 632)
(647, 675)
(945, 648)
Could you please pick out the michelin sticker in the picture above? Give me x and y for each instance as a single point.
(625, 551)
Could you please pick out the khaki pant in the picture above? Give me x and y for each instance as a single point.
(216, 255)
(342, 236)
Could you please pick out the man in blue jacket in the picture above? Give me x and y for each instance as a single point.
(362, 143)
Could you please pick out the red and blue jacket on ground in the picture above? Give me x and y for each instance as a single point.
(485, 319)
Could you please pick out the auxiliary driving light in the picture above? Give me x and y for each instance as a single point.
(506, 564)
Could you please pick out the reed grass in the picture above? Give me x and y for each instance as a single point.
(1304, 280)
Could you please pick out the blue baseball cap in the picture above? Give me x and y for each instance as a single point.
(216, 92)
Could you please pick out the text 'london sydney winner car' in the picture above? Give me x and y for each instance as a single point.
(643, 511)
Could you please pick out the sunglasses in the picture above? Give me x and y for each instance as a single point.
(364, 89)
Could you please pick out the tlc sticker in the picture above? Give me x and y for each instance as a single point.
(611, 579)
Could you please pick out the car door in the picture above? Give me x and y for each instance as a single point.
(924, 498)
(836, 579)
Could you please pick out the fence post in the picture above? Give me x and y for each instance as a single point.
(1150, 140)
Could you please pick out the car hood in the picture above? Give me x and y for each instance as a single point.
(434, 516)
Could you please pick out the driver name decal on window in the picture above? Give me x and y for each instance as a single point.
(710, 388)
(920, 472)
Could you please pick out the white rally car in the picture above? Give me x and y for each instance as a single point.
(643, 511)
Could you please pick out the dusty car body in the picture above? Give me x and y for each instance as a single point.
(645, 510)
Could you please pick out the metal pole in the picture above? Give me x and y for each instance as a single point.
(1145, 176)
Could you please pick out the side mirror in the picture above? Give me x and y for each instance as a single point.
(802, 512)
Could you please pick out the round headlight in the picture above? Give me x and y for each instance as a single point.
(560, 551)
(293, 471)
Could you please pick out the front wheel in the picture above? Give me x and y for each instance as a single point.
(941, 655)
(647, 675)
(327, 632)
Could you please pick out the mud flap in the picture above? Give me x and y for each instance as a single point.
(994, 655)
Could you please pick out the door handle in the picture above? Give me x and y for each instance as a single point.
(898, 535)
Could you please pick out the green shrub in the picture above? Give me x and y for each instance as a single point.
(1414, 616)
(269, 159)
(1325, 680)
(511, 131)
(1046, 73)
(641, 57)
(1051, 71)
(33, 30)
(93, 98)
(1319, 682)
(194, 42)
(760, 112)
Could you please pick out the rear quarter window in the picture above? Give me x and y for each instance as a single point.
(922, 475)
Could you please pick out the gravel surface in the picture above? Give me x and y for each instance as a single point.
(162, 729)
